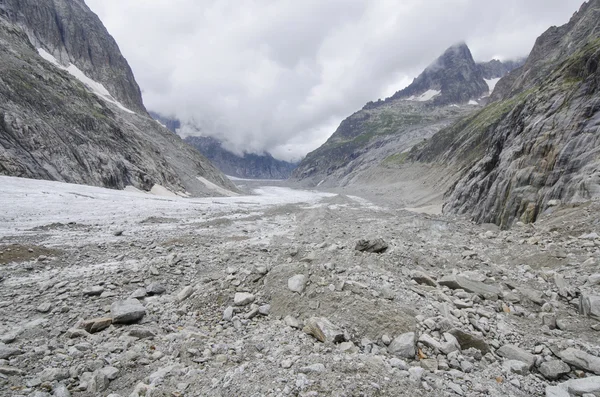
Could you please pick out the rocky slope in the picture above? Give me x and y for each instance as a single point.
(537, 145)
(383, 131)
(73, 34)
(250, 165)
(57, 123)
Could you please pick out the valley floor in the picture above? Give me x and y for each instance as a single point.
(226, 284)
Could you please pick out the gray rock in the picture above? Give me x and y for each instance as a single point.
(429, 364)
(141, 333)
(403, 346)
(376, 246)
(589, 305)
(594, 279)
(512, 352)
(264, 309)
(395, 362)
(297, 283)
(590, 385)
(291, 321)
(416, 373)
(228, 313)
(127, 312)
(313, 368)
(95, 290)
(53, 374)
(516, 367)
(185, 293)
(243, 298)
(554, 369)
(324, 330)
(155, 289)
(110, 372)
(467, 341)
(476, 287)
(10, 371)
(139, 293)
(96, 324)
(61, 391)
(8, 351)
(44, 307)
(98, 382)
(581, 359)
(424, 279)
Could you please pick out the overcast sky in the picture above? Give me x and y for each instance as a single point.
(280, 75)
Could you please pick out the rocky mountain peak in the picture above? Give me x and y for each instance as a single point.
(74, 35)
(452, 78)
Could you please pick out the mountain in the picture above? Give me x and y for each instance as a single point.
(537, 144)
(453, 78)
(383, 131)
(70, 109)
(495, 69)
(248, 165)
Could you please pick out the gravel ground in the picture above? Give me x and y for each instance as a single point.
(289, 293)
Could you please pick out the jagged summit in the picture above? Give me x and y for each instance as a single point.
(452, 78)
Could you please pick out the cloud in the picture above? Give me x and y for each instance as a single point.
(279, 75)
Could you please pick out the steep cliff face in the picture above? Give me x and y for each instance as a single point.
(383, 131)
(56, 123)
(73, 34)
(539, 143)
(251, 166)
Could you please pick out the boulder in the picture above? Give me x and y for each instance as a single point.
(454, 281)
(324, 330)
(377, 246)
(127, 311)
(403, 346)
(96, 324)
(243, 298)
(581, 359)
(512, 352)
(554, 369)
(589, 305)
(297, 283)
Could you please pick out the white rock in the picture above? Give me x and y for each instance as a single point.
(243, 298)
(297, 283)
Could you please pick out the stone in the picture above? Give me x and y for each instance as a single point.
(516, 367)
(549, 320)
(313, 368)
(185, 293)
(94, 290)
(139, 293)
(395, 362)
(291, 321)
(589, 306)
(297, 283)
(8, 351)
(61, 391)
(348, 347)
(96, 324)
(422, 278)
(554, 369)
(377, 246)
(127, 312)
(228, 313)
(155, 289)
(403, 346)
(73, 333)
(324, 330)
(416, 373)
(98, 382)
(264, 309)
(581, 359)
(141, 332)
(44, 307)
(10, 371)
(467, 341)
(453, 281)
(580, 387)
(429, 364)
(594, 279)
(110, 372)
(53, 374)
(243, 298)
(512, 352)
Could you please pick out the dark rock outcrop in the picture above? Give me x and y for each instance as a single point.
(539, 141)
(495, 69)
